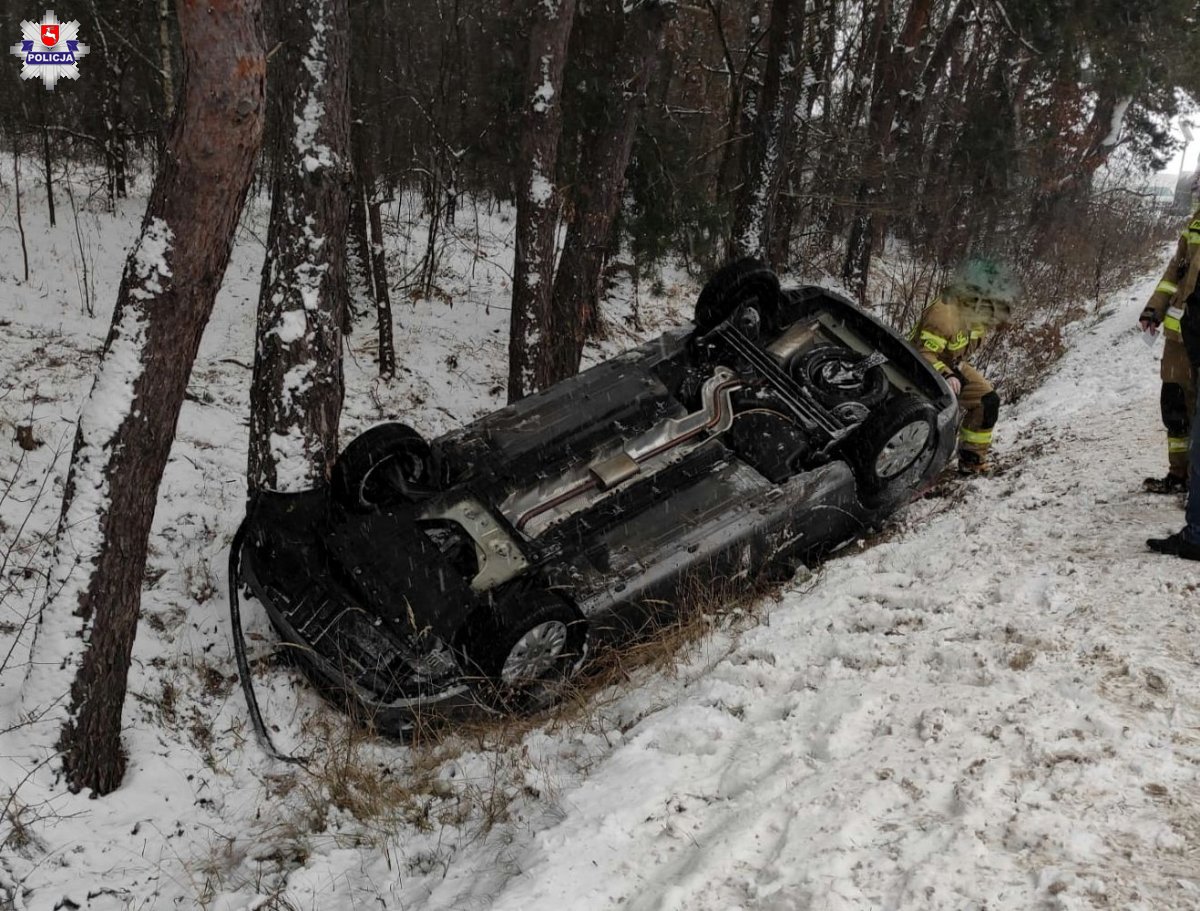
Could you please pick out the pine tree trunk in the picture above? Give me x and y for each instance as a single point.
(366, 235)
(822, 147)
(895, 73)
(787, 210)
(113, 139)
(605, 157)
(360, 245)
(17, 193)
(383, 300)
(860, 244)
(537, 198)
(818, 62)
(754, 217)
(167, 291)
(114, 125)
(46, 169)
(359, 281)
(165, 63)
(296, 393)
(742, 88)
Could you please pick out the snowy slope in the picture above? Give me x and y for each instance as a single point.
(999, 707)
(993, 705)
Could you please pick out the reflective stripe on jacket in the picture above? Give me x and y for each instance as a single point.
(1168, 303)
(944, 336)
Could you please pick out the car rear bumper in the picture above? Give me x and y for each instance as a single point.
(327, 630)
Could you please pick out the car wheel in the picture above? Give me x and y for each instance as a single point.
(385, 466)
(887, 446)
(833, 375)
(742, 283)
(538, 643)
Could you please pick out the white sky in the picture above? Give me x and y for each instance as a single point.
(1185, 156)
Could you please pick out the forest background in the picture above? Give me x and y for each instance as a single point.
(811, 134)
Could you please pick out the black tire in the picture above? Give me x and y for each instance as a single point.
(537, 640)
(385, 466)
(742, 282)
(889, 444)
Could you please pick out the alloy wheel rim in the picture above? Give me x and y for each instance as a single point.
(535, 653)
(904, 447)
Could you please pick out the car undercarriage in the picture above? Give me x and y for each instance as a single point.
(475, 571)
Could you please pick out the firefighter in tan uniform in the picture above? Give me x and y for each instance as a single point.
(950, 330)
(1166, 308)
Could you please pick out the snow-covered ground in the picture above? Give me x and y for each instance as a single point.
(996, 704)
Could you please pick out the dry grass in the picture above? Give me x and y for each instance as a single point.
(468, 776)
(352, 773)
(671, 640)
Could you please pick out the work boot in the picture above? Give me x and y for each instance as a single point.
(1176, 546)
(1170, 483)
(973, 464)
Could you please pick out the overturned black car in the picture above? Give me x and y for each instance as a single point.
(474, 571)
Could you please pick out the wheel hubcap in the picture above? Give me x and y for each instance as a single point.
(535, 653)
(905, 445)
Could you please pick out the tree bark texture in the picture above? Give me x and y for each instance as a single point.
(913, 108)
(165, 62)
(743, 87)
(754, 216)
(606, 148)
(537, 197)
(366, 231)
(46, 168)
(359, 282)
(383, 299)
(114, 126)
(895, 72)
(17, 193)
(125, 431)
(296, 393)
(113, 138)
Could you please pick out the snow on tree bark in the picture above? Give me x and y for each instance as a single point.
(296, 393)
(537, 200)
(817, 49)
(383, 300)
(754, 216)
(166, 65)
(360, 285)
(128, 422)
(359, 280)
